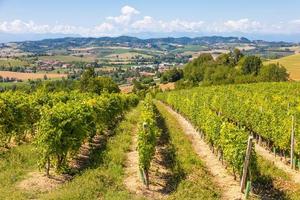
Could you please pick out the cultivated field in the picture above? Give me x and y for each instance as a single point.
(26, 76)
(291, 63)
(10, 62)
(127, 56)
(63, 58)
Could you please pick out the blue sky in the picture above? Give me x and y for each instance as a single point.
(116, 17)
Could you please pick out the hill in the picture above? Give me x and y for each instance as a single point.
(291, 63)
(156, 43)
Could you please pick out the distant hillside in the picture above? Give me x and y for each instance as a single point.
(291, 63)
(73, 42)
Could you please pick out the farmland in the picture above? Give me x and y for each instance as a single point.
(185, 143)
(68, 58)
(149, 119)
(26, 76)
(10, 62)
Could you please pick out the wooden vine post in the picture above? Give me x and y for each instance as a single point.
(259, 136)
(48, 167)
(292, 141)
(246, 164)
(145, 171)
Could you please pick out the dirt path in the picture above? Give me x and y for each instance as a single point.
(38, 182)
(295, 176)
(230, 187)
(158, 173)
(82, 159)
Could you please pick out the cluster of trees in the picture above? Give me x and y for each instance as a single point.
(89, 82)
(229, 68)
(172, 75)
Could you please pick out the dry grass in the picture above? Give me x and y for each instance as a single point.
(126, 88)
(127, 56)
(167, 86)
(26, 76)
(69, 58)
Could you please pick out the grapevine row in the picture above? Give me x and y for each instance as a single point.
(148, 132)
(229, 140)
(59, 123)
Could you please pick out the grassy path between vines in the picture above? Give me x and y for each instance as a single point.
(295, 175)
(192, 178)
(14, 166)
(274, 183)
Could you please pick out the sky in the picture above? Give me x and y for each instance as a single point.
(155, 17)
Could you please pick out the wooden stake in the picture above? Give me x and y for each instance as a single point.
(48, 167)
(246, 164)
(292, 141)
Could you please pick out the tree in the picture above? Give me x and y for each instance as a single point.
(220, 75)
(101, 84)
(172, 75)
(194, 70)
(225, 59)
(237, 55)
(86, 78)
(251, 65)
(90, 83)
(273, 72)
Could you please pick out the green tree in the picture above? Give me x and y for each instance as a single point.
(237, 55)
(273, 72)
(87, 78)
(90, 83)
(194, 70)
(251, 65)
(101, 84)
(172, 75)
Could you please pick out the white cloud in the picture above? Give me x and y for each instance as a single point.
(144, 23)
(130, 21)
(18, 26)
(179, 25)
(126, 16)
(242, 25)
(296, 21)
(128, 10)
(104, 27)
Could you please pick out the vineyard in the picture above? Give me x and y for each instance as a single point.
(182, 144)
(226, 115)
(268, 111)
(58, 123)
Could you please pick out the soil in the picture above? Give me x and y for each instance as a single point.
(39, 182)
